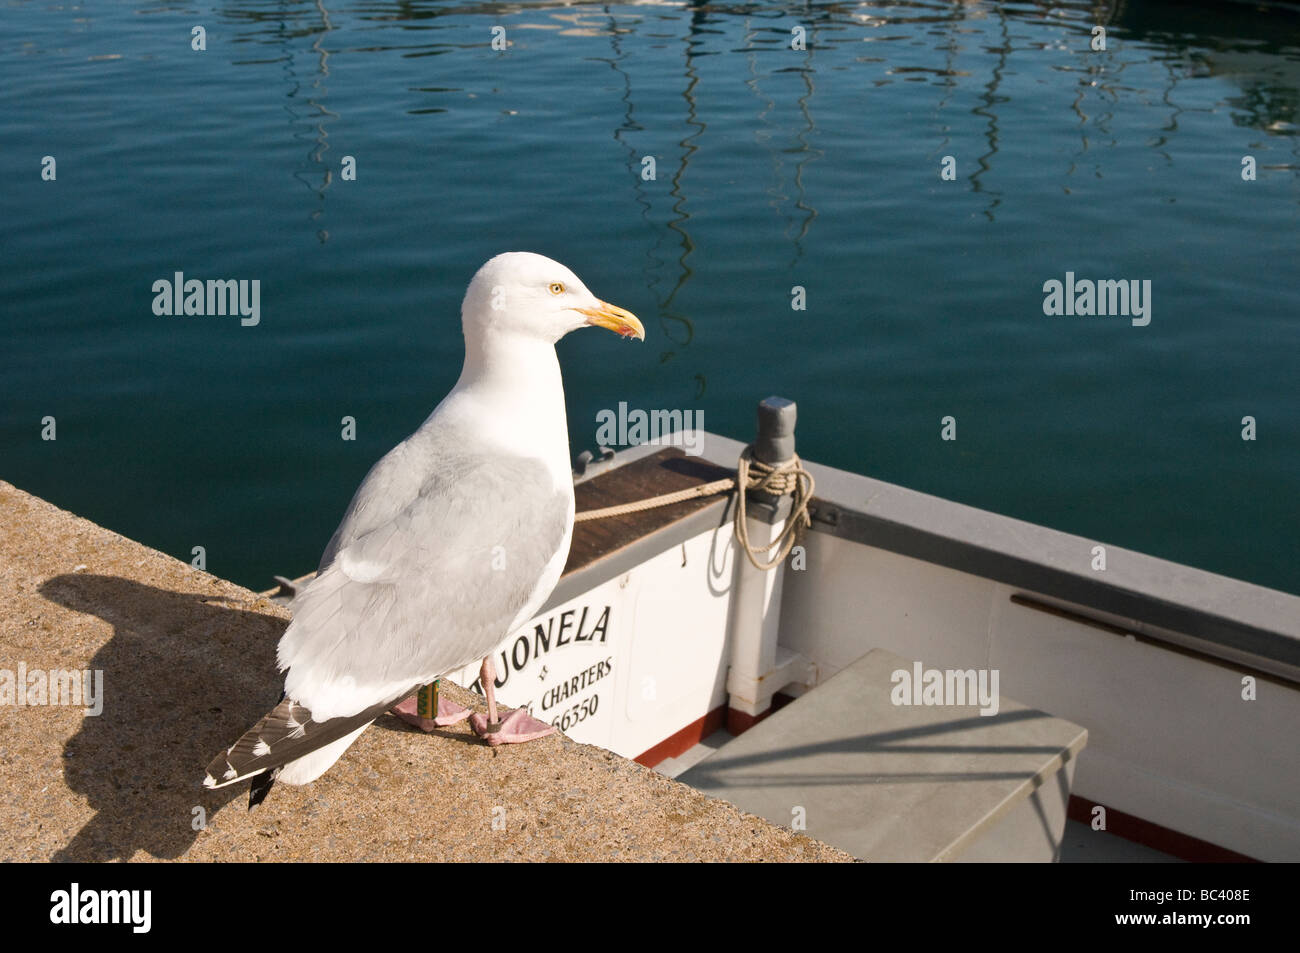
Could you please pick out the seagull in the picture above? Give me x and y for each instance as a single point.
(455, 538)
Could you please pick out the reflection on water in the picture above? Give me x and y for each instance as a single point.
(315, 173)
(988, 110)
(774, 167)
(974, 42)
(1255, 52)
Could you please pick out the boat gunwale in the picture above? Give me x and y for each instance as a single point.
(1254, 626)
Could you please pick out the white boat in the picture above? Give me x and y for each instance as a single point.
(1147, 699)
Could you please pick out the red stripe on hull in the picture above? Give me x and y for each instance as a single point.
(1182, 846)
(683, 741)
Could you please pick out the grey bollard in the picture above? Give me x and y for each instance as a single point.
(774, 444)
(775, 441)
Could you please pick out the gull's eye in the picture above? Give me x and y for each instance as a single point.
(557, 288)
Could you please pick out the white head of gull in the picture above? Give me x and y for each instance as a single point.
(411, 585)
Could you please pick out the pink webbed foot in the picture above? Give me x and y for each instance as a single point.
(448, 713)
(516, 727)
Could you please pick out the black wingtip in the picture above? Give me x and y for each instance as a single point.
(261, 787)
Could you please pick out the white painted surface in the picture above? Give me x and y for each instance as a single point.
(1170, 739)
(758, 669)
(853, 598)
(659, 665)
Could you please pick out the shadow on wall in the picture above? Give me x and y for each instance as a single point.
(184, 675)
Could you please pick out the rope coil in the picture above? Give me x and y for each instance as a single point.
(787, 478)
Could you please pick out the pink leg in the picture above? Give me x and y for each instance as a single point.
(448, 712)
(516, 727)
(487, 677)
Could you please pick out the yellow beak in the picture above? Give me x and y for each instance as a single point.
(613, 318)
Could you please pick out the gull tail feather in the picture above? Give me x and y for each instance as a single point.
(290, 744)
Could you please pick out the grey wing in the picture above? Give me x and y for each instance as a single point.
(428, 590)
(395, 479)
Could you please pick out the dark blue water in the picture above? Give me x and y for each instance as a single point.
(774, 167)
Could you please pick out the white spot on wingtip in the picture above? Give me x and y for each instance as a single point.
(230, 772)
(209, 781)
(261, 749)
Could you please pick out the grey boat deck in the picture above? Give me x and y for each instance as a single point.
(890, 782)
(1079, 845)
